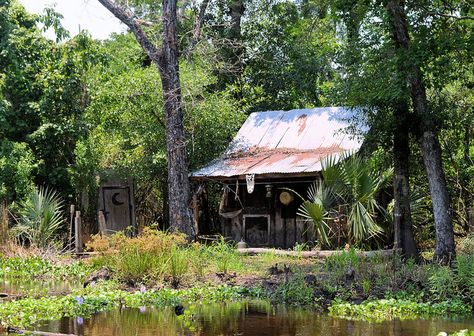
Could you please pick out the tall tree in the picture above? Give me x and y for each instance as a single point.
(373, 80)
(402, 219)
(165, 57)
(429, 143)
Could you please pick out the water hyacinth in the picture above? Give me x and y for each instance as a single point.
(27, 312)
(79, 300)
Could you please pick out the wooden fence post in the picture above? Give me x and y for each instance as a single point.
(78, 232)
(3, 222)
(71, 225)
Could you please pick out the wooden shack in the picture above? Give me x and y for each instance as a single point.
(273, 154)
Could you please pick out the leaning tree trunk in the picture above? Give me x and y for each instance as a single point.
(402, 220)
(166, 59)
(429, 143)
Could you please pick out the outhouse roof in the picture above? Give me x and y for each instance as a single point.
(285, 142)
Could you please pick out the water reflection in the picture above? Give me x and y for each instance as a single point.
(242, 318)
(37, 287)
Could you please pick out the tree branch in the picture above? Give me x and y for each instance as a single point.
(127, 17)
(462, 17)
(197, 27)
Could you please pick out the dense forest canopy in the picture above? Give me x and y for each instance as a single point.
(74, 109)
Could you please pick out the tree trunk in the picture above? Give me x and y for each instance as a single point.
(402, 221)
(466, 197)
(429, 143)
(178, 182)
(166, 59)
(236, 11)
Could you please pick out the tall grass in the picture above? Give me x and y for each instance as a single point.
(158, 256)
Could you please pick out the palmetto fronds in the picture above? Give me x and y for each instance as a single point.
(40, 217)
(315, 208)
(352, 182)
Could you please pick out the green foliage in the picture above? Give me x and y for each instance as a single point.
(316, 208)
(388, 309)
(150, 256)
(351, 185)
(33, 267)
(464, 275)
(289, 50)
(41, 218)
(28, 312)
(357, 184)
(225, 255)
(442, 283)
(338, 264)
(42, 99)
(294, 291)
(16, 170)
(464, 332)
(178, 264)
(159, 256)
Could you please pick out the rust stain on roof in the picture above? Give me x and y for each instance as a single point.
(284, 142)
(302, 123)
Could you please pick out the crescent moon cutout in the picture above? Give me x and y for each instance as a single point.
(115, 201)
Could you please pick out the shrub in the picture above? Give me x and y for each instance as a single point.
(40, 217)
(338, 264)
(442, 283)
(465, 275)
(295, 291)
(466, 245)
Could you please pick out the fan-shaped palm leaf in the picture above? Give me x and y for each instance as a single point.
(40, 217)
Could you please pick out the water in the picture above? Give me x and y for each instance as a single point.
(242, 318)
(37, 287)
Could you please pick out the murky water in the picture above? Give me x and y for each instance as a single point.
(37, 287)
(242, 318)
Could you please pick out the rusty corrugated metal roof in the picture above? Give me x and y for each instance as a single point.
(284, 142)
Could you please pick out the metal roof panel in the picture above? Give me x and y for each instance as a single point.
(285, 143)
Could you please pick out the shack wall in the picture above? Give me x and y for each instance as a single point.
(265, 221)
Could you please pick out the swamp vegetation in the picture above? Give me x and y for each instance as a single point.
(157, 269)
(159, 100)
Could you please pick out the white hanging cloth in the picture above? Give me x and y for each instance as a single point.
(250, 178)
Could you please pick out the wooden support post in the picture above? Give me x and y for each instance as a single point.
(196, 213)
(78, 232)
(102, 223)
(3, 222)
(71, 225)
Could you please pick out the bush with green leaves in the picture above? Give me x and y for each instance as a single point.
(16, 170)
(294, 291)
(40, 218)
